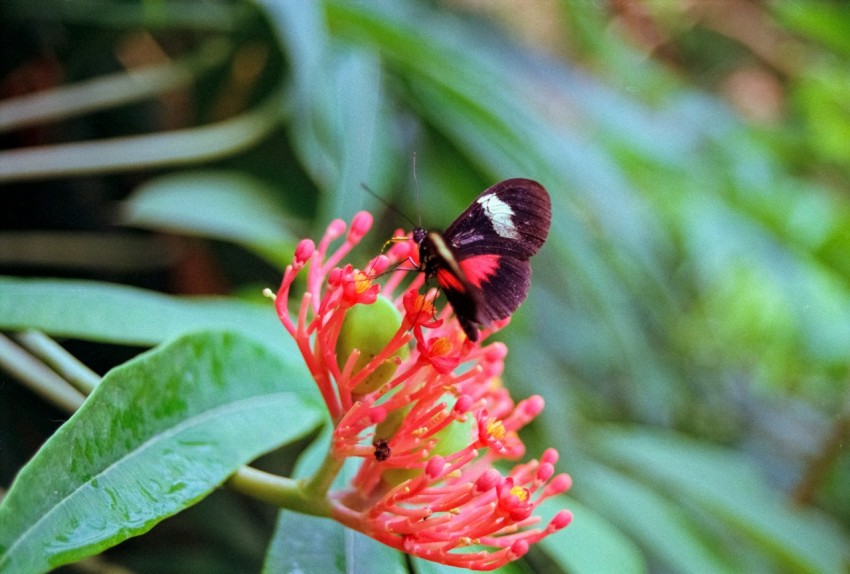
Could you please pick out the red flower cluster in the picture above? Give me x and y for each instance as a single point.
(423, 407)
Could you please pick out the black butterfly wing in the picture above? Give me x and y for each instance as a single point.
(481, 261)
(485, 289)
(510, 218)
(502, 292)
(466, 302)
(440, 262)
(492, 241)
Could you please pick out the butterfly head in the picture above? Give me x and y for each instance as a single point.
(419, 235)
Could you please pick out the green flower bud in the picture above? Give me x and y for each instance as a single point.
(387, 427)
(369, 328)
(455, 436)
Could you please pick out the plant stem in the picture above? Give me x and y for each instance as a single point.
(111, 90)
(831, 449)
(319, 484)
(38, 377)
(60, 360)
(283, 492)
(178, 147)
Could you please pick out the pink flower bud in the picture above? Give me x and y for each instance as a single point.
(519, 548)
(377, 415)
(335, 229)
(496, 352)
(305, 249)
(562, 519)
(360, 226)
(550, 456)
(378, 265)
(463, 404)
(489, 480)
(401, 250)
(533, 406)
(559, 484)
(435, 467)
(335, 277)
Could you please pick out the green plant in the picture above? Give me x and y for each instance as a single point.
(687, 326)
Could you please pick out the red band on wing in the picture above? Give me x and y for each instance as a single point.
(448, 281)
(479, 268)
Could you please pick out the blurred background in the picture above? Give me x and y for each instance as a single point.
(689, 321)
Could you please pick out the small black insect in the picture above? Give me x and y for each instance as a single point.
(382, 449)
(481, 261)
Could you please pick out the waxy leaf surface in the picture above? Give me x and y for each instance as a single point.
(157, 435)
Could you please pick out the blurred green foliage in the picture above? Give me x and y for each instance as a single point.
(689, 322)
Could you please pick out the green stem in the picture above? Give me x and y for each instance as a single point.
(178, 147)
(60, 360)
(319, 484)
(112, 90)
(831, 450)
(283, 492)
(38, 377)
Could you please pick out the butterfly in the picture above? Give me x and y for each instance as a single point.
(481, 261)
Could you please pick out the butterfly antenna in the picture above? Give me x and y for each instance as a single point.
(389, 205)
(416, 189)
(393, 208)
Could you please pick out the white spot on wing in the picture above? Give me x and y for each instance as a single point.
(500, 214)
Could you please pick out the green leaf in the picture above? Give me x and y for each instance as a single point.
(340, 146)
(726, 484)
(826, 22)
(119, 314)
(661, 526)
(321, 546)
(157, 435)
(590, 543)
(421, 566)
(230, 206)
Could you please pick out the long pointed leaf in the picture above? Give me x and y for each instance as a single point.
(157, 435)
(119, 314)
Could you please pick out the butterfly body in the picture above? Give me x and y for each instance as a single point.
(481, 262)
